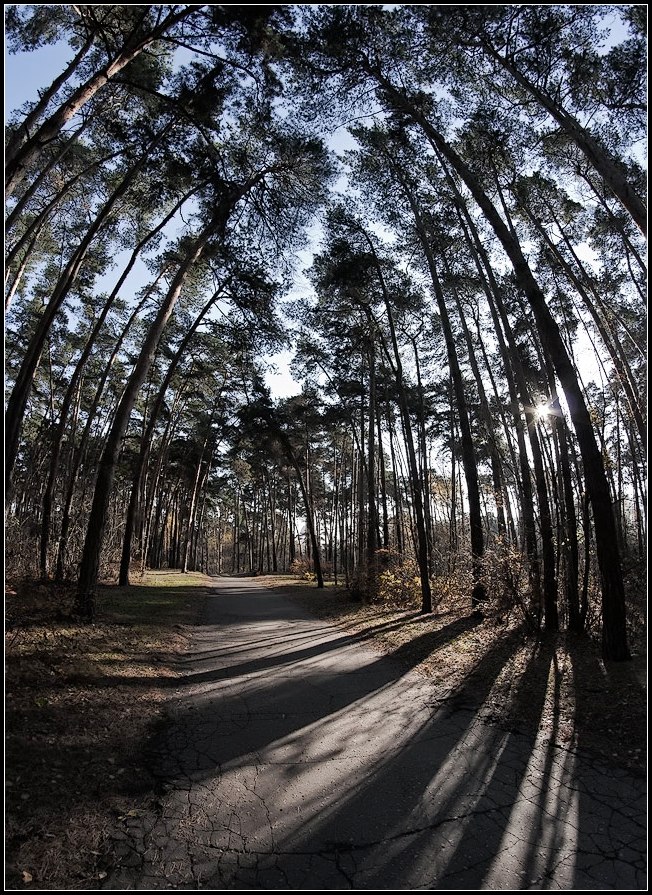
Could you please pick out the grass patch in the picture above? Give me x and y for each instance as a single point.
(81, 701)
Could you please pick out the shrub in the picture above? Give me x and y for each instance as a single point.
(397, 579)
(508, 585)
(303, 568)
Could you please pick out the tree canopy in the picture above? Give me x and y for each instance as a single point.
(439, 210)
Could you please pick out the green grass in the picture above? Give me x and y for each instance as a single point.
(157, 600)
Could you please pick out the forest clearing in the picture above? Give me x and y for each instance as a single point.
(347, 303)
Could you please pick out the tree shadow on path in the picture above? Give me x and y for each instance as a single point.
(332, 767)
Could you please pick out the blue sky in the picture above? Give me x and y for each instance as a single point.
(27, 73)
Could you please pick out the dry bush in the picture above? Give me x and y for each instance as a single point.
(507, 582)
(635, 573)
(303, 568)
(21, 549)
(451, 591)
(397, 579)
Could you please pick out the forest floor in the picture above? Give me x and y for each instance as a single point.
(82, 701)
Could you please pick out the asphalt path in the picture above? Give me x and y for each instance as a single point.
(295, 757)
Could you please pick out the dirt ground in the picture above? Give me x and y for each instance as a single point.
(82, 701)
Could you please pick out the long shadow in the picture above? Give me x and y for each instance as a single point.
(553, 841)
(612, 819)
(507, 793)
(351, 630)
(500, 792)
(606, 696)
(265, 663)
(301, 695)
(367, 821)
(408, 655)
(438, 808)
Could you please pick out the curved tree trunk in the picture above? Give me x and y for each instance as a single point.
(609, 338)
(395, 363)
(610, 168)
(79, 368)
(43, 215)
(80, 450)
(469, 462)
(614, 633)
(90, 563)
(147, 434)
(23, 385)
(15, 214)
(21, 270)
(22, 133)
(27, 151)
(510, 360)
(485, 414)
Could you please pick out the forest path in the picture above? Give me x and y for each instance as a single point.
(298, 758)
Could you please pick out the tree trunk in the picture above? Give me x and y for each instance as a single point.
(614, 633)
(21, 390)
(610, 169)
(310, 519)
(372, 513)
(478, 594)
(39, 221)
(396, 366)
(28, 149)
(22, 132)
(89, 569)
(193, 509)
(496, 464)
(149, 431)
(72, 386)
(81, 447)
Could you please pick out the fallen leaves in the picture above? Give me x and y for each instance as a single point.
(133, 812)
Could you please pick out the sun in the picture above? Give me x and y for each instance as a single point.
(542, 411)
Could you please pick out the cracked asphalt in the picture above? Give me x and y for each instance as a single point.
(295, 757)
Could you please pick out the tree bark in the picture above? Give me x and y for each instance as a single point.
(478, 594)
(26, 152)
(22, 132)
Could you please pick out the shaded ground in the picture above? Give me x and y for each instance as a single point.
(296, 757)
(82, 701)
(80, 704)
